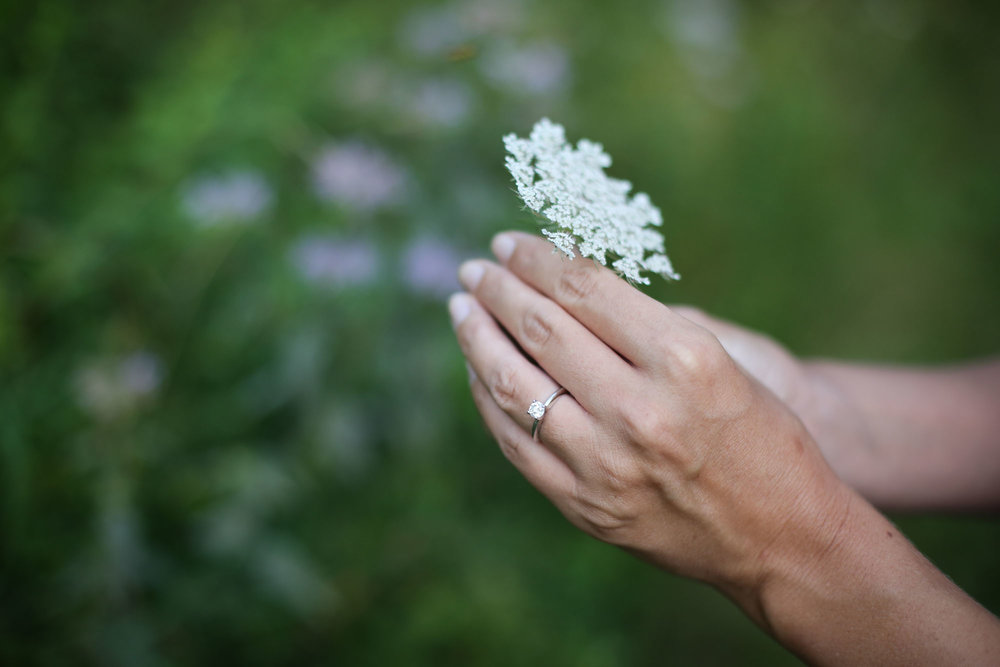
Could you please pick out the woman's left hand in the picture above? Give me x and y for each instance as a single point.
(663, 445)
(666, 447)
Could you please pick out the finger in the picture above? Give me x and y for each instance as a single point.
(563, 347)
(513, 382)
(543, 469)
(630, 322)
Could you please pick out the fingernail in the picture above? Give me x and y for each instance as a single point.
(459, 306)
(503, 246)
(470, 273)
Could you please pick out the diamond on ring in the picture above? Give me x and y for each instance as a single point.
(536, 409)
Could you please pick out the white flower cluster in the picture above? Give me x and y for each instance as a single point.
(569, 188)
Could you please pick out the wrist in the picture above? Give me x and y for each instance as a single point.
(814, 559)
(868, 597)
(822, 576)
(839, 427)
(823, 402)
(815, 519)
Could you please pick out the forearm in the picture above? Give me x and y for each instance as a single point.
(910, 439)
(871, 598)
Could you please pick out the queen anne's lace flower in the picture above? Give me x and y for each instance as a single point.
(586, 209)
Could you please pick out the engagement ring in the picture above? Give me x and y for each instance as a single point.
(537, 410)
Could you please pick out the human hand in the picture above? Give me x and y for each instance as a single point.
(664, 446)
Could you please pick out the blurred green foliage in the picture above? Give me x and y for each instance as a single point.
(234, 425)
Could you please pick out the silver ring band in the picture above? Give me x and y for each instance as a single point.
(537, 410)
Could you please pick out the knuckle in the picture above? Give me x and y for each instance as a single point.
(643, 422)
(617, 473)
(606, 517)
(685, 462)
(603, 523)
(537, 327)
(509, 447)
(697, 354)
(576, 284)
(662, 446)
(503, 387)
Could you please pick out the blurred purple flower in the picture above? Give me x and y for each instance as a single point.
(442, 102)
(237, 196)
(358, 176)
(111, 388)
(140, 373)
(429, 267)
(336, 262)
(534, 69)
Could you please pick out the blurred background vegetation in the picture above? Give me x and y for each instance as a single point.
(234, 425)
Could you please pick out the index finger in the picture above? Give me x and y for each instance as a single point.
(630, 322)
